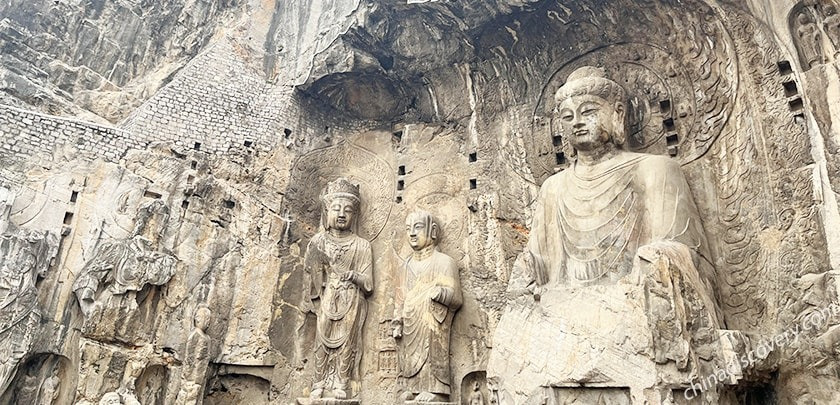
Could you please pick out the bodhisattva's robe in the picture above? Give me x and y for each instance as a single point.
(590, 222)
(343, 307)
(424, 354)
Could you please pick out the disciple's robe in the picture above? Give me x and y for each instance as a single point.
(424, 354)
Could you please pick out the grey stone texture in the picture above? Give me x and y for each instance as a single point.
(236, 114)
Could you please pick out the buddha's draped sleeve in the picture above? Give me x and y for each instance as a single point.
(674, 217)
(542, 260)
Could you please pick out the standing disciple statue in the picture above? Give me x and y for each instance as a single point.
(431, 293)
(340, 266)
(196, 360)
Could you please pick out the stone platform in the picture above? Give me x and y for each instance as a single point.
(328, 401)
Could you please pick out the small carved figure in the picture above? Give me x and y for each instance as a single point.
(126, 266)
(431, 294)
(196, 360)
(339, 264)
(25, 256)
(476, 397)
(113, 398)
(809, 40)
(831, 24)
(50, 388)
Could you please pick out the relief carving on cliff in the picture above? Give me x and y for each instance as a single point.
(339, 264)
(25, 257)
(427, 299)
(617, 254)
(196, 361)
(815, 29)
(116, 279)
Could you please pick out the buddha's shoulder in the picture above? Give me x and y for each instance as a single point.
(647, 161)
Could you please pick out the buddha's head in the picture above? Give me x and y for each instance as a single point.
(422, 230)
(591, 109)
(341, 200)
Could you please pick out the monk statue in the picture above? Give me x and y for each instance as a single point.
(196, 360)
(426, 304)
(617, 265)
(340, 265)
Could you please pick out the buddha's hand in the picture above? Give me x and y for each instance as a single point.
(526, 277)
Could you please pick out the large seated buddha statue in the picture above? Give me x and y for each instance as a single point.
(613, 298)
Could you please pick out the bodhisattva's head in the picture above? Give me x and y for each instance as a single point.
(422, 230)
(341, 200)
(202, 318)
(591, 110)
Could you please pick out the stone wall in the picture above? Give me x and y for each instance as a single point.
(25, 133)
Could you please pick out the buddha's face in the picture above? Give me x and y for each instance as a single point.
(419, 236)
(589, 121)
(340, 213)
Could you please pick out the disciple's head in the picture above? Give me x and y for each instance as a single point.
(591, 109)
(422, 229)
(341, 200)
(202, 318)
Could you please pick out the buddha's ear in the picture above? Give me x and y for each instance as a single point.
(433, 232)
(621, 124)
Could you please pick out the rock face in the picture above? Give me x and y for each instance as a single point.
(196, 137)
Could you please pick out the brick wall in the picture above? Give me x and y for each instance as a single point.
(24, 133)
(217, 103)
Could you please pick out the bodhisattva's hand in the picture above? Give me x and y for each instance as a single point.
(350, 276)
(396, 328)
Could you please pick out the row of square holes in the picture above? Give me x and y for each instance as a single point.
(397, 138)
(286, 134)
(795, 103)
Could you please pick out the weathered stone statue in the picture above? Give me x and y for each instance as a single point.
(196, 360)
(617, 263)
(25, 256)
(809, 40)
(339, 264)
(119, 269)
(50, 388)
(831, 23)
(430, 296)
(476, 397)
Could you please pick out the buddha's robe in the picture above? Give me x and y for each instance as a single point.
(343, 306)
(424, 350)
(590, 221)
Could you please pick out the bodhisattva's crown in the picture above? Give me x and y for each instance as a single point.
(341, 187)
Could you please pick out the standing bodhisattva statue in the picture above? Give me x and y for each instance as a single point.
(430, 295)
(340, 267)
